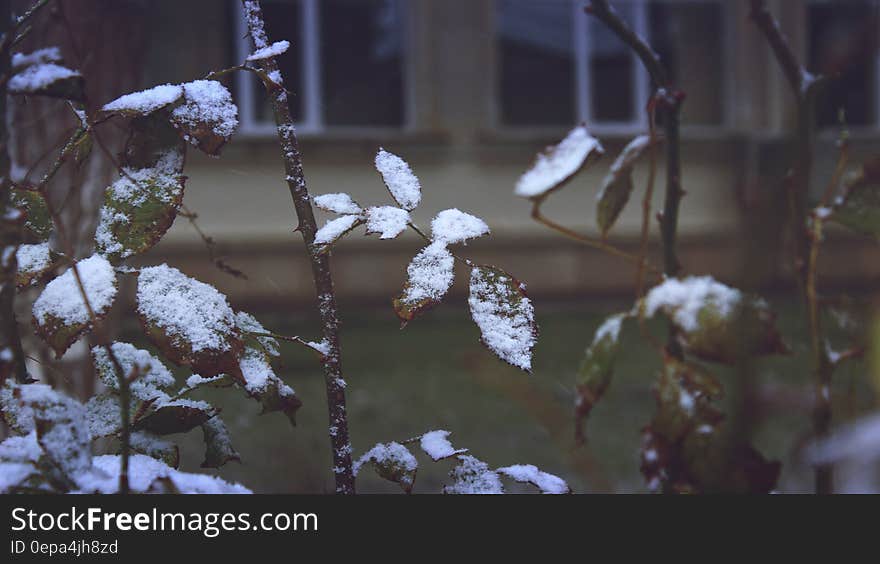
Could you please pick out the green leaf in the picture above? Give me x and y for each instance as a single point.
(218, 445)
(34, 263)
(155, 447)
(505, 315)
(617, 186)
(393, 462)
(429, 277)
(38, 224)
(859, 208)
(596, 370)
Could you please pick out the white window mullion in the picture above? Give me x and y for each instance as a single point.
(244, 82)
(641, 79)
(583, 93)
(312, 118)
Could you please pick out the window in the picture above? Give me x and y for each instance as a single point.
(345, 67)
(843, 43)
(557, 65)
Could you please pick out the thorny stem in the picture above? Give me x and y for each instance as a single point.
(806, 243)
(331, 362)
(646, 204)
(290, 339)
(589, 241)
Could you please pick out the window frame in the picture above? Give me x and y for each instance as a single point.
(581, 23)
(313, 123)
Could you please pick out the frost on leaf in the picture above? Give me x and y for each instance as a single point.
(530, 474)
(558, 163)
(38, 223)
(34, 261)
(393, 462)
(139, 207)
(218, 444)
(504, 314)
(260, 381)
(436, 445)
(455, 226)
(149, 378)
(190, 322)
(148, 475)
(617, 185)
(716, 322)
(686, 448)
(146, 101)
(273, 50)
(386, 221)
(337, 203)
(429, 277)
(155, 447)
(40, 73)
(473, 476)
(60, 314)
(596, 370)
(208, 117)
(859, 208)
(335, 229)
(400, 180)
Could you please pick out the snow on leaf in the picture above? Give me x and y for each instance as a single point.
(596, 370)
(39, 73)
(436, 445)
(218, 444)
(34, 261)
(387, 221)
(393, 462)
(190, 321)
(151, 377)
(146, 101)
(38, 223)
(530, 474)
(335, 229)
(429, 277)
(337, 203)
(473, 476)
(139, 207)
(617, 185)
(60, 313)
(714, 320)
(263, 385)
(558, 163)
(208, 117)
(500, 308)
(155, 447)
(455, 226)
(277, 48)
(147, 474)
(175, 416)
(248, 325)
(400, 180)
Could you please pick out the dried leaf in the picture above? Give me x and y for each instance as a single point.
(429, 277)
(558, 164)
(500, 308)
(218, 445)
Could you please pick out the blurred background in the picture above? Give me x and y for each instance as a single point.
(467, 91)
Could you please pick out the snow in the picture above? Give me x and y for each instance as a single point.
(506, 327)
(103, 416)
(387, 221)
(547, 483)
(249, 324)
(33, 258)
(683, 299)
(430, 274)
(823, 212)
(143, 471)
(40, 56)
(473, 476)
(610, 328)
(62, 300)
(323, 347)
(195, 380)
(437, 445)
(400, 180)
(391, 454)
(146, 101)
(558, 163)
(12, 474)
(152, 373)
(185, 308)
(335, 228)
(23, 448)
(37, 77)
(207, 101)
(257, 373)
(455, 226)
(62, 431)
(273, 50)
(337, 203)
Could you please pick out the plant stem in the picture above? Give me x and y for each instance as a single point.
(331, 362)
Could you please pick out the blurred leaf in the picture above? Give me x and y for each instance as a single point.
(557, 164)
(178, 416)
(617, 186)
(473, 476)
(47, 79)
(596, 370)
(155, 447)
(34, 263)
(859, 208)
(503, 312)
(218, 445)
(38, 224)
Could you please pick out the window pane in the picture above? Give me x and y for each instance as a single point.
(536, 79)
(362, 62)
(283, 21)
(689, 36)
(843, 42)
(612, 87)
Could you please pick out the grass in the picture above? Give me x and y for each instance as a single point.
(435, 375)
